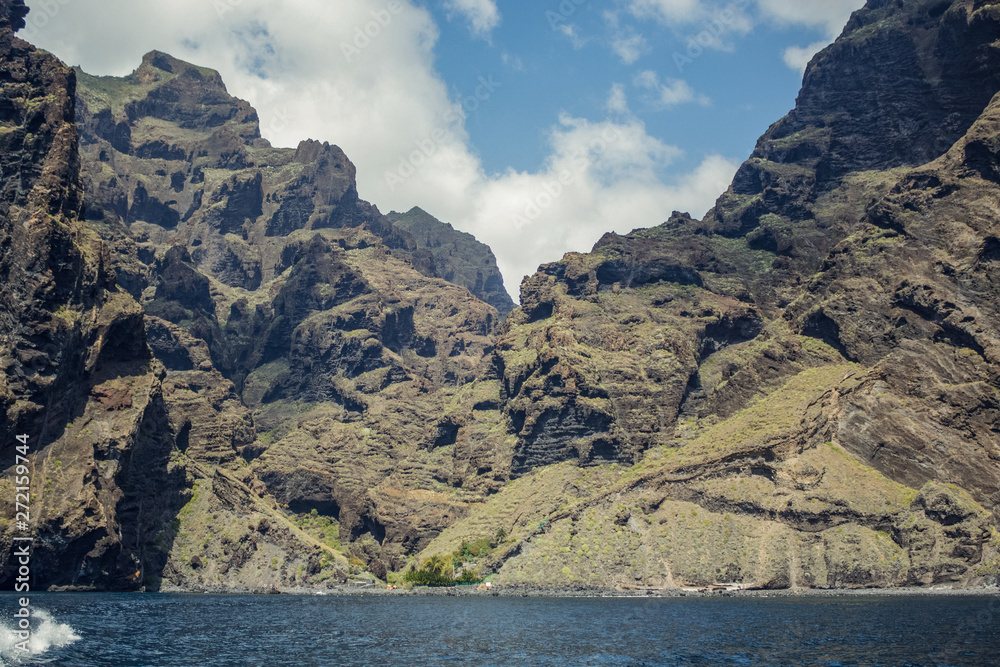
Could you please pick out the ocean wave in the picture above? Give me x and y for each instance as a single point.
(46, 634)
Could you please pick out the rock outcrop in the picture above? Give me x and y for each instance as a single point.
(133, 358)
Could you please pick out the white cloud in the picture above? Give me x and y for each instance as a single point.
(629, 48)
(483, 15)
(827, 15)
(572, 33)
(617, 101)
(709, 22)
(797, 57)
(667, 11)
(699, 24)
(599, 177)
(367, 83)
(670, 93)
(513, 62)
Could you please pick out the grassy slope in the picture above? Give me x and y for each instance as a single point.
(748, 502)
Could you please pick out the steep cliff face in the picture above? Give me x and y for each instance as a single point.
(326, 338)
(604, 353)
(132, 461)
(169, 152)
(912, 296)
(454, 256)
(808, 377)
(894, 237)
(904, 82)
(76, 376)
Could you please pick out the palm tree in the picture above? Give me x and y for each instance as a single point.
(436, 564)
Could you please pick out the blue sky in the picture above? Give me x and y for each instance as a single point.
(536, 126)
(545, 72)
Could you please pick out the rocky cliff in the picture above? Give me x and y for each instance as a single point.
(206, 292)
(114, 471)
(462, 259)
(279, 311)
(801, 389)
(72, 340)
(239, 374)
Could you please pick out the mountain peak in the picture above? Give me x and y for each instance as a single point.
(161, 60)
(155, 63)
(454, 255)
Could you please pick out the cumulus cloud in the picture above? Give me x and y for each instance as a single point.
(629, 47)
(600, 177)
(617, 101)
(667, 11)
(829, 16)
(483, 15)
(797, 57)
(625, 41)
(363, 77)
(670, 93)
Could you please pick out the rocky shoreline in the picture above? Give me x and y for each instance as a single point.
(536, 592)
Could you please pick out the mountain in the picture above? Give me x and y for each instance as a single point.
(464, 260)
(75, 374)
(235, 373)
(262, 268)
(242, 291)
(800, 390)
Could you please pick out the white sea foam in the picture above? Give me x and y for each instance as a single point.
(46, 634)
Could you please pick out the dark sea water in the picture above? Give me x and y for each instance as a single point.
(222, 631)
